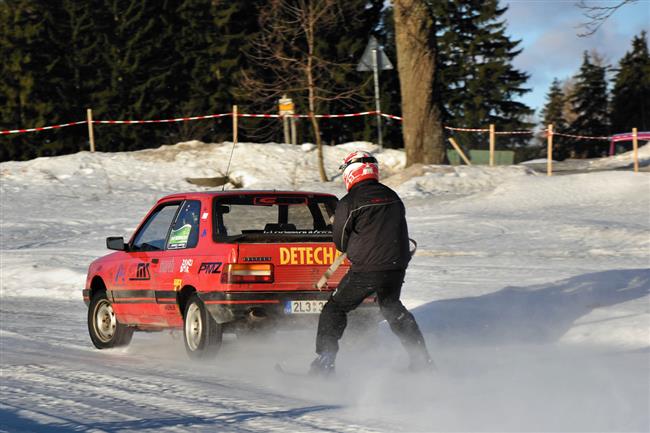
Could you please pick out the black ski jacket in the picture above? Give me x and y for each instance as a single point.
(370, 226)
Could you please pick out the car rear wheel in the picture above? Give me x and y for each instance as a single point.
(202, 334)
(104, 328)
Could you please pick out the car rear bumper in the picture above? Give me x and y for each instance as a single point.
(230, 306)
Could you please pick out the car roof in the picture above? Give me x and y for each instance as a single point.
(236, 192)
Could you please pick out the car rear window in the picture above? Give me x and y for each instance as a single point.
(237, 216)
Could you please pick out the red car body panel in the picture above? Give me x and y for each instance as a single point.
(145, 287)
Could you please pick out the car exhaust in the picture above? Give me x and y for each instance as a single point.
(256, 315)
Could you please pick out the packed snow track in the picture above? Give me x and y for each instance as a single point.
(532, 292)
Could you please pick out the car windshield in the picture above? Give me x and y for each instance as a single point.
(272, 214)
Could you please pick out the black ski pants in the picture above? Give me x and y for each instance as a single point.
(352, 290)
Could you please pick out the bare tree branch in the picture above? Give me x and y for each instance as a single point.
(597, 15)
(287, 61)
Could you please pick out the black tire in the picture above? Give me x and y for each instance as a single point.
(201, 333)
(104, 328)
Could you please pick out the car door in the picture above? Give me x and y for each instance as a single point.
(137, 300)
(178, 262)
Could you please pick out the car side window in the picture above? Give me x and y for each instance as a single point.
(185, 230)
(153, 233)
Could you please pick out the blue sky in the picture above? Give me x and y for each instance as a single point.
(551, 48)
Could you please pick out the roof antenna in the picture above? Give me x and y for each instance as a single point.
(234, 142)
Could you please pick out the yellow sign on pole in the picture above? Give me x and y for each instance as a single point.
(285, 106)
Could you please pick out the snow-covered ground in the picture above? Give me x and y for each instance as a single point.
(532, 291)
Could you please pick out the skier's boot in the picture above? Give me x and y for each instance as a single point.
(420, 361)
(421, 364)
(323, 365)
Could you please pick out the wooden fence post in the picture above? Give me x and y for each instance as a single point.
(459, 150)
(635, 147)
(549, 150)
(91, 134)
(235, 117)
(492, 144)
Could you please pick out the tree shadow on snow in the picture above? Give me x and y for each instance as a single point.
(534, 314)
(226, 422)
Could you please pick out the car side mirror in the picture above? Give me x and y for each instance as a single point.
(115, 243)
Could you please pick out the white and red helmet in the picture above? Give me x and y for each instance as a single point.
(359, 166)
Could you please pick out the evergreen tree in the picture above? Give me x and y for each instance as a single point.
(478, 82)
(631, 92)
(74, 68)
(195, 84)
(590, 104)
(25, 97)
(389, 90)
(211, 39)
(553, 114)
(136, 50)
(345, 44)
(236, 26)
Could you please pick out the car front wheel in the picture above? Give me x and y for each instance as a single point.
(104, 328)
(202, 334)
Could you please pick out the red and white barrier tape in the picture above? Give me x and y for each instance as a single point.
(449, 128)
(43, 128)
(178, 119)
(335, 116)
(580, 137)
(513, 132)
(185, 119)
(275, 116)
(115, 122)
(307, 116)
(390, 116)
(266, 116)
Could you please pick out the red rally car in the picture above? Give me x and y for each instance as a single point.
(215, 262)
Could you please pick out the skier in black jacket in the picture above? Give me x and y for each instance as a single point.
(370, 226)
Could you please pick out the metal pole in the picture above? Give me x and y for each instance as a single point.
(375, 72)
(285, 123)
(294, 133)
(235, 118)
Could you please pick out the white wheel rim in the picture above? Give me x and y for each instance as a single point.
(193, 327)
(105, 322)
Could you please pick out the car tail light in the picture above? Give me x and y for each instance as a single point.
(239, 273)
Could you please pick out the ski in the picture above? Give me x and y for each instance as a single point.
(280, 369)
(283, 371)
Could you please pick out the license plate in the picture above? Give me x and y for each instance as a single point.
(303, 307)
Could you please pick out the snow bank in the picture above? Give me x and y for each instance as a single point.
(40, 279)
(532, 293)
(625, 159)
(533, 192)
(461, 180)
(57, 212)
